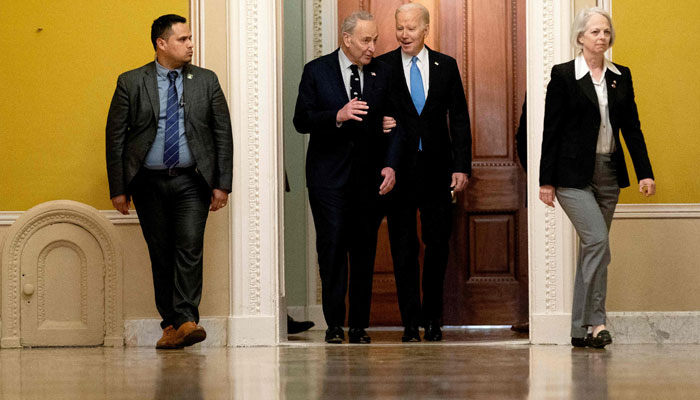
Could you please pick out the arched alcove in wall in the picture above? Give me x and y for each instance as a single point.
(64, 257)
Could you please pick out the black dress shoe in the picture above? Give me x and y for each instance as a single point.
(335, 334)
(601, 340)
(410, 334)
(579, 342)
(433, 333)
(298, 326)
(358, 335)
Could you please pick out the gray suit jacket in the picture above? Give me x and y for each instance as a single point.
(132, 123)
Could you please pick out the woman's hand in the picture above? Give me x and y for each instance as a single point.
(547, 195)
(647, 187)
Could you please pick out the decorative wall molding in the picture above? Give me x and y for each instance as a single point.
(34, 220)
(115, 217)
(254, 96)
(657, 211)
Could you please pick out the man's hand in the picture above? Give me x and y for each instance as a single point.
(647, 187)
(459, 181)
(388, 123)
(547, 195)
(121, 203)
(389, 180)
(219, 198)
(351, 110)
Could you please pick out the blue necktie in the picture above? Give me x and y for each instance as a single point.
(171, 153)
(417, 92)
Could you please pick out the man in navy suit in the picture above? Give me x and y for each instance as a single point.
(432, 111)
(350, 166)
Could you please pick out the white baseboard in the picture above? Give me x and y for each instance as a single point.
(550, 328)
(681, 327)
(146, 332)
(249, 331)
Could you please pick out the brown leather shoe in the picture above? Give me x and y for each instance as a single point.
(190, 333)
(169, 339)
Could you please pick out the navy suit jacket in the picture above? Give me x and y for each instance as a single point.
(355, 150)
(572, 123)
(443, 125)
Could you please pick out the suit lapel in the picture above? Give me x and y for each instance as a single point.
(369, 77)
(150, 81)
(611, 82)
(434, 68)
(339, 84)
(188, 78)
(405, 92)
(586, 86)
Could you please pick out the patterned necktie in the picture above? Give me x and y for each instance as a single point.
(355, 89)
(417, 92)
(171, 153)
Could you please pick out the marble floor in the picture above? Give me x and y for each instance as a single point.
(470, 363)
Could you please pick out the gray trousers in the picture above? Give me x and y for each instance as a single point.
(591, 212)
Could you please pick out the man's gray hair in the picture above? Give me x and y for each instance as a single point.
(578, 28)
(350, 22)
(424, 13)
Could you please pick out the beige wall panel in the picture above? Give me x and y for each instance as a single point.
(654, 266)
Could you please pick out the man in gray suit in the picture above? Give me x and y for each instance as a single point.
(169, 147)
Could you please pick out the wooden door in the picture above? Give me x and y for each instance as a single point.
(486, 280)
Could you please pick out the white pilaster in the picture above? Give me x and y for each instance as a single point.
(256, 224)
(551, 237)
(321, 37)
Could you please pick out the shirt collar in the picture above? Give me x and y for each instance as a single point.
(163, 72)
(345, 62)
(581, 68)
(422, 56)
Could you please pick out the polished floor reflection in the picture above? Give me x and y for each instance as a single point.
(306, 369)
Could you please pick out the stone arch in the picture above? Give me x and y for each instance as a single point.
(33, 221)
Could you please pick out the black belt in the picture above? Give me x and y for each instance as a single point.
(170, 171)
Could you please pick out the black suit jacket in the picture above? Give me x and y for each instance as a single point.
(337, 154)
(132, 124)
(572, 123)
(443, 125)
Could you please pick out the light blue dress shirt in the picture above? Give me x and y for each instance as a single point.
(154, 158)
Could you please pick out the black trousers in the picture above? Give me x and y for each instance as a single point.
(418, 189)
(173, 212)
(346, 221)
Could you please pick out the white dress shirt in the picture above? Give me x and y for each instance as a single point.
(345, 70)
(423, 67)
(606, 143)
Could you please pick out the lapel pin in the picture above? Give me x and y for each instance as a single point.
(373, 74)
(614, 84)
(189, 76)
(436, 63)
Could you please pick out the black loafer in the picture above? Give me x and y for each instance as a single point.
(601, 340)
(297, 326)
(335, 335)
(433, 333)
(410, 334)
(358, 335)
(579, 342)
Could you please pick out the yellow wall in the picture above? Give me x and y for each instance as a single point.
(658, 40)
(56, 85)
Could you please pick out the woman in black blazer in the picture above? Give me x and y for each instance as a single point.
(589, 101)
